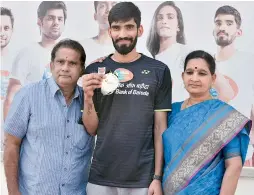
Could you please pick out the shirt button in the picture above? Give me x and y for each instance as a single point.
(66, 152)
(67, 136)
(63, 184)
(68, 121)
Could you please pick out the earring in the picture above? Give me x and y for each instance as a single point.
(213, 92)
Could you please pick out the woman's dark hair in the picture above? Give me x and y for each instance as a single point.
(203, 55)
(153, 40)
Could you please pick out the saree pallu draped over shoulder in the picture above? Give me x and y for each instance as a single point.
(193, 146)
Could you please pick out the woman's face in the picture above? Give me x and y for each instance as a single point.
(197, 77)
(167, 23)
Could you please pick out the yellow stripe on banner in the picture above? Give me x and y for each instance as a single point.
(162, 110)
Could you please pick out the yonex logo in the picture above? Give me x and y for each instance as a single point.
(145, 72)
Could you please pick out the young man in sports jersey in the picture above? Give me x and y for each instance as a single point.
(129, 123)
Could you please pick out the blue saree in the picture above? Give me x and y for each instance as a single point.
(196, 144)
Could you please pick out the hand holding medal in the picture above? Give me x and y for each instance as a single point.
(110, 82)
(90, 82)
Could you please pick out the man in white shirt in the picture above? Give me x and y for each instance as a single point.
(101, 44)
(235, 81)
(32, 61)
(6, 27)
(6, 30)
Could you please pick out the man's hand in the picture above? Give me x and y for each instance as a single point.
(155, 188)
(90, 82)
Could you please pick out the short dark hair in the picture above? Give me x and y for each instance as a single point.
(71, 44)
(48, 5)
(7, 12)
(95, 5)
(203, 55)
(228, 10)
(153, 40)
(124, 11)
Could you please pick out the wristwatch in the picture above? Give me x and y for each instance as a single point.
(157, 177)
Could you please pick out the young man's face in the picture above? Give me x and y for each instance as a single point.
(5, 30)
(102, 11)
(124, 35)
(52, 24)
(225, 30)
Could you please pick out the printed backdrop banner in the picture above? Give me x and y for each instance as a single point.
(171, 31)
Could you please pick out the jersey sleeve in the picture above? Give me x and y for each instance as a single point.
(163, 98)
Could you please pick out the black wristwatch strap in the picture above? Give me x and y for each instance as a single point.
(157, 177)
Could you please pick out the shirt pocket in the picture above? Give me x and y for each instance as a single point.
(80, 137)
(49, 134)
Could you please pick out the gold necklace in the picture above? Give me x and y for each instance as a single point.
(187, 104)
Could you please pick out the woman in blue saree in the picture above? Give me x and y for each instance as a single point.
(206, 141)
